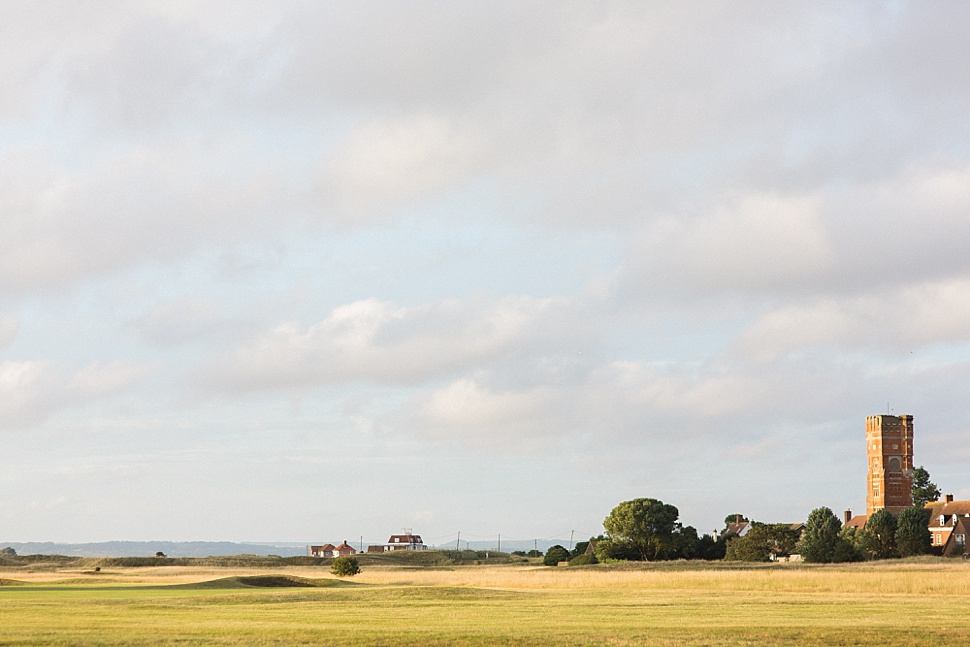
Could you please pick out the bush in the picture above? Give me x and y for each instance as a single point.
(346, 566)
(583, 560)
(555, 555)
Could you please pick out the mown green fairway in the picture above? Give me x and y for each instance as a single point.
(923, 603)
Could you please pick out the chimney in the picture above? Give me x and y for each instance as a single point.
(847, 515)
(949, 498)
(737, 519)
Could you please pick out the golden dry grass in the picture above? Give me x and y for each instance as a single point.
(891, 603)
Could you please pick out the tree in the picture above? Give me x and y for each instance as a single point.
(913, 532)
(710, 548)
(345, 566)
(647, 524)
(881, 535)
(821, 541)
(686, 543)
(8, 552)
(555, 554)
(579, 548)
(763, 543)
(615, 549)
(924, 491)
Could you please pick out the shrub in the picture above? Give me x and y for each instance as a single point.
(346, 566)
(584, 559)
(555, 555)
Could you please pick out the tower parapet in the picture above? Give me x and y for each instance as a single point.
(889, 446)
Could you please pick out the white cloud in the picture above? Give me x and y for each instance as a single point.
(9, 326)
(31, 391)
(381, 342)
(100, 379)
(25, 391)
(180, 321)
(906, 319)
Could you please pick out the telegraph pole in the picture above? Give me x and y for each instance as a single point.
(500, 542)
(458, 543)
(571, 532)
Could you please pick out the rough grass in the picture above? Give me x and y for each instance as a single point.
(921, 602)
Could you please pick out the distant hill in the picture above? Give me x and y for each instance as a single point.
(149, 548)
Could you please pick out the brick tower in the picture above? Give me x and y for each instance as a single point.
(889, 444)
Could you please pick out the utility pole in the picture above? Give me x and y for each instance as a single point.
(571, 532)
(500, 542)
(458, 543)
(535, 545)
(361, 543)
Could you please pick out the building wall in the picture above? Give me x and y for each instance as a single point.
(889, 446)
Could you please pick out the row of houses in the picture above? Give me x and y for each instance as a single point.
(405, 541)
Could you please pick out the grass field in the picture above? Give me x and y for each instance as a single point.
(925, 602)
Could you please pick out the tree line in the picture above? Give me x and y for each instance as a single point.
(648, 530)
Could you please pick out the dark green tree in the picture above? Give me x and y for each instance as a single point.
(685, 543)
(881, 535)
(8, 552)
(615, 549)
(647, 524)
(924, 490)
(762, 543)
(555, 554)
(820, 540)
(913, 532)
(345, 566)
(709, 548)
(579, 548)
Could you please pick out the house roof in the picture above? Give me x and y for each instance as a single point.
(939, 508)
(345, 545)
(962, 527)
(858, 522)
(735, 528)
(405, 539)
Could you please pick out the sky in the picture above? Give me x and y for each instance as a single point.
(299, 271)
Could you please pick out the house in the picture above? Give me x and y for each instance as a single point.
(736, 528)
(344, 550)
(945, 517)
(406, 541)
(325, 551)
(956, 543)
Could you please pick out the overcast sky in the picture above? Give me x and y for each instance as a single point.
(309, 271)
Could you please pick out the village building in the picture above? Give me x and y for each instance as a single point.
(325, 551)
(405, 541)
(889, 485)
(949, 521)
(344, 550)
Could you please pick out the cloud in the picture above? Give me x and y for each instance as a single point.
(156, 201)
(100, 379)
(26, 390)
(31, 391)
(906, 319)
(179, 322)
(759, 243)
(378, 341)
(9, 326)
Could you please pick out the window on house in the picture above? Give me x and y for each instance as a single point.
(960, 540)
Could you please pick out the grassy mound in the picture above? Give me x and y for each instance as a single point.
(264, 581)
(4, 582)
